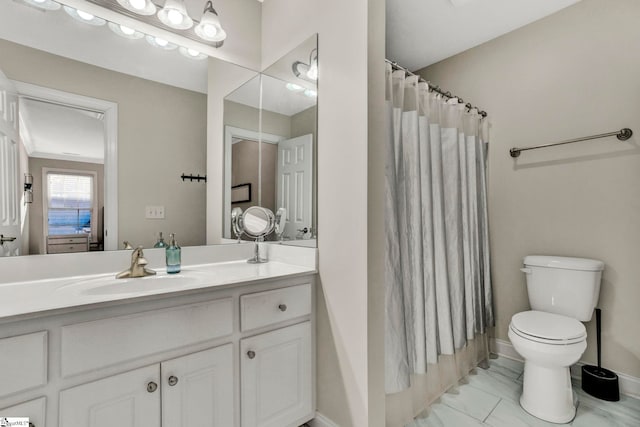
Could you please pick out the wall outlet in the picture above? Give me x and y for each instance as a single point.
(154, 212)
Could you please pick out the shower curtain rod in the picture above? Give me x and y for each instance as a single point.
(436, 89)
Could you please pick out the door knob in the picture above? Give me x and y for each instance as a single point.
(173, 380)
(251, 354)
(151, 387)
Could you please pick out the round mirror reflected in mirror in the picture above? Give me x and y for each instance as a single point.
(258, 221)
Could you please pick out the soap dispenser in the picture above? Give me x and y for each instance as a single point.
(173, 253)
(160, 243)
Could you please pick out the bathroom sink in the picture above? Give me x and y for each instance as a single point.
(109, 285)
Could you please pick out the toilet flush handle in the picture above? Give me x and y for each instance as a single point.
(526, 270)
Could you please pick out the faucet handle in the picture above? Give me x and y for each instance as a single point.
(127, 245)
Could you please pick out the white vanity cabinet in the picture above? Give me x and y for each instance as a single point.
(226, 356)
(192, 390)
(276, 367)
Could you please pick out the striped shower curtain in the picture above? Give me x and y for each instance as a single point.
(438, 286)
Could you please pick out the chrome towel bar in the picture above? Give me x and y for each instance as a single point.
(622, 135)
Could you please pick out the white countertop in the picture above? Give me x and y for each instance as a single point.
(21, 298)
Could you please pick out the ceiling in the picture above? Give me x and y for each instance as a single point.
(55, 131)
(275, 96)
(422, 32)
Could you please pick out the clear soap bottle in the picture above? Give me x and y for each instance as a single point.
(173, 255)
(160, 243)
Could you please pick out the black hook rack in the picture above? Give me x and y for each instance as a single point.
(198, 178)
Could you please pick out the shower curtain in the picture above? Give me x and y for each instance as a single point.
(438, 294)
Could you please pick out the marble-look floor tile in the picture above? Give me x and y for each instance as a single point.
(627, 407)
(497, 383)
(507, 367)
(510, 414)
(444, 416)
(472, 401)
(595, 417)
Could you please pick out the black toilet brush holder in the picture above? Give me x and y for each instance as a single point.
(596, 380)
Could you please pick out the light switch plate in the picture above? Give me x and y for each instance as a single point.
(154, 212)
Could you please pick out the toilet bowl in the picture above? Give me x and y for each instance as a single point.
(549, 343)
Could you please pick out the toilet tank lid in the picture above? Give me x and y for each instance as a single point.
(568, 263)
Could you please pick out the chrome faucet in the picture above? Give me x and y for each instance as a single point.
(138, 263)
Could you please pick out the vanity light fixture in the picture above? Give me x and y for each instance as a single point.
(174, 14)
(85, 17)
(307, 71)
(191, 53)
(124, 31)
(209, 27)
(44, 4)
(160, 42)
(142, 7)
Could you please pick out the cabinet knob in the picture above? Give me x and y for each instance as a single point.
(173, 380)
(251, 354)
(151, 387)
(282, 307)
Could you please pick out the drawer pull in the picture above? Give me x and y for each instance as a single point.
(251, 354)
(173, 380)
(282, 307)
(151, 387)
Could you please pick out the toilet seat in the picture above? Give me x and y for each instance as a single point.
(548, 328)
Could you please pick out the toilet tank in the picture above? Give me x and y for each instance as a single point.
(563, 285)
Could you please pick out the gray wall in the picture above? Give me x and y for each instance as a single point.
(162, 134)
(572, 74)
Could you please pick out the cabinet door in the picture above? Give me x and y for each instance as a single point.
(276, 377)
(197, 389)
(131, 399)
(34, 410)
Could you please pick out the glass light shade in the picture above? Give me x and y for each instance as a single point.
(192, 53)
(209, 27)
(83, 16)
(141, 7)
(44, 4)
(312, 73)
(174, 15)
(161, 43)
(125, 32)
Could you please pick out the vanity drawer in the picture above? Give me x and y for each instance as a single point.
(23, 362)
(33, 409)
(270, 307)
(67, 248)
(107, 342)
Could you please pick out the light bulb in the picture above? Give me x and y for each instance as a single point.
(209, 30)
(138, 4)
(193, 52)
(175, 17)
(126, 30)
(39, 1)
(84, 15)
(161, 42)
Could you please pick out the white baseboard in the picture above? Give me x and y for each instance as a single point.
(322, 421)
(629, 385)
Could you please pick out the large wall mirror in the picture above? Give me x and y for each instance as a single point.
(270, 144)
(108, 126)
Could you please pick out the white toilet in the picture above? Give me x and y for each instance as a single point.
(563, 292)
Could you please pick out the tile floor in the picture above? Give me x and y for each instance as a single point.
(490, 398)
